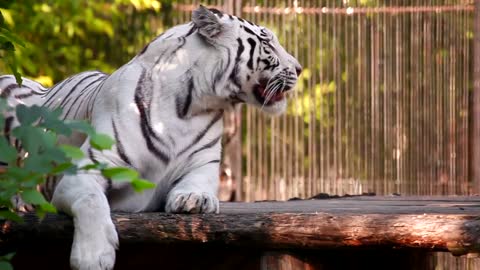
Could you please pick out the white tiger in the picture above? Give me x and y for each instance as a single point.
(164, 108)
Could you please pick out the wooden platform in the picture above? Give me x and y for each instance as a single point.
(351, 224)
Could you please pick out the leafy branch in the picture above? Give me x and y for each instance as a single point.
(32, 154)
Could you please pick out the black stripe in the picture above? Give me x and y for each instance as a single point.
(26, 95)
(144, 125)
(252, 50)
(191, 31)
(248, 30)
(267, 64)
(92, 157)
(203, 132)
(216, 11)
(240, 49)
(144, 49)
(183, 106)
(93, 97)
(46, 190)
(17, 145)
(213, 161)
(57, 87)
(120, 148)
(240, 19)
(49, 187)
(206, 146)
(80, 95)
(87, 97)
(7, 127)
(233, 75)
(8, 90)
(60, 87)
(66, 98)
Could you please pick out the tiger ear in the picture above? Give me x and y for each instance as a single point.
(207, 22)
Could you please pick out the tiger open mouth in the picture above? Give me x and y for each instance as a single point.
(267, 95)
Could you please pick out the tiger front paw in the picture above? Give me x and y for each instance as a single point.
(192, 202)
(94, 246)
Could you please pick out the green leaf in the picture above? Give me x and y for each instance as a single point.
(120, 174)
(37, 164)
(12, 61)
(2, 121)
(28, 135)
(2, 19)
(95, 166)
(67, 167)
(11, 36)
(9, 215)
(55, 155)
(3, 104)
(81, 126)
(40, 213)
(52, 122)
(19, 174)
(4, 265)
(142, 184)
(8, 153)
(48, 207)
(34, 197)
(101, 141)
(27, 115)
(72, 151)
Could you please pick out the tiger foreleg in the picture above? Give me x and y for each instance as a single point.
(196, 191)
(95, 238)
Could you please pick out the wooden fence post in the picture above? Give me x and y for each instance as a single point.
(475, 107)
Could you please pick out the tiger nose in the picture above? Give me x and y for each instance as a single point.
(298, 70)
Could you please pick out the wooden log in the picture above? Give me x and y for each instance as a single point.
(443, 224)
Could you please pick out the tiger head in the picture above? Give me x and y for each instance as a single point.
(255, 67)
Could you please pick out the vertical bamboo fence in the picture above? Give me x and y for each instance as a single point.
(382, 105)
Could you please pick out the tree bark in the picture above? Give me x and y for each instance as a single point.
(436, 225)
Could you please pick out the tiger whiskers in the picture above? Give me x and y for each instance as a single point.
(271, 90)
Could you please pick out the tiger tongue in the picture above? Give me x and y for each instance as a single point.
(275, 97)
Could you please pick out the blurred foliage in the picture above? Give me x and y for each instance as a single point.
(64, 37)
(8, 41)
